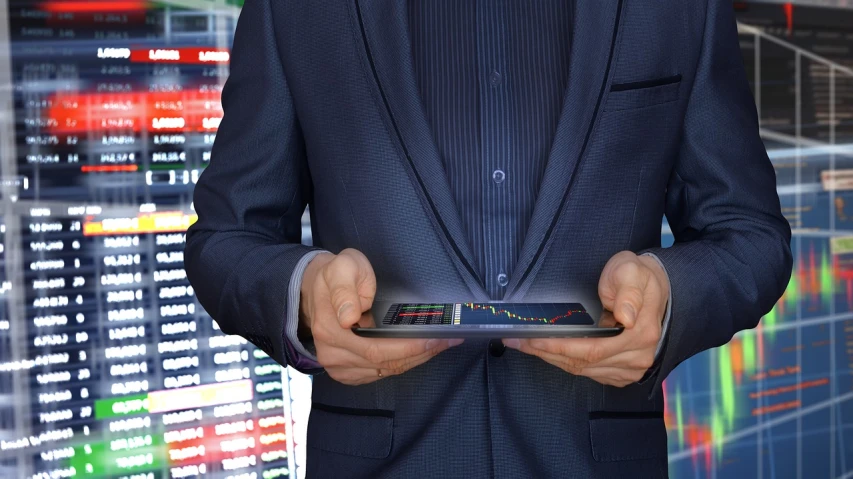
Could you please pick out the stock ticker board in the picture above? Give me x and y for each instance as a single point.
(109, 367)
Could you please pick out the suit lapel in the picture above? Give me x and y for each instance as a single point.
(596, 24)
(383, 26)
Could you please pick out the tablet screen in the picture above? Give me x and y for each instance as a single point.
(560, 314)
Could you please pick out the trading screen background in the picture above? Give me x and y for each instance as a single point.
(109, 367)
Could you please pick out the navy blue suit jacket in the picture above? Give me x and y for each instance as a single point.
(322, 108)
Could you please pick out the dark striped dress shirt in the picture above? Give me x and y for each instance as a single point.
(491, 75)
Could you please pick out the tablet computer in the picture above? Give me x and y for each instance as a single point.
(484, 320)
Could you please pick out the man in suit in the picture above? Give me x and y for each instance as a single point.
(480, 151)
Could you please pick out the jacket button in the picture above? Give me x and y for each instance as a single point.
(496, 348)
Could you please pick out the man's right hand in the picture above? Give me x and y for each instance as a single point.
(336, 290)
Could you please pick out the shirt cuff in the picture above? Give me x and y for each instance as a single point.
(300, 357)
(665, 326)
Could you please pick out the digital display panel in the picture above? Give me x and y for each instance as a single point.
(108, 366)
(560, 314)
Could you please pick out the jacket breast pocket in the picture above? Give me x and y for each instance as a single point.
(639, 94)
(355, 432)
(627, 436)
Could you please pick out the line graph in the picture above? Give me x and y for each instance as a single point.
(487, 313)
(513, 313)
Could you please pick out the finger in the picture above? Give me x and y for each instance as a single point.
(655, 301)
(341, 275)
(368, 319)
(582, 350)
(606, 283)
(638, 359)
(648, 326)
(338, 357)
(630, 282)
(613, 376)
(607, 320)
(555, 359)
(384, 350)
(355, 372)
(366, 282)
(572, 366)
(647, 332)
(354, 376)
(568, 364)
(325, 327)
(399, 367)
(328, 331)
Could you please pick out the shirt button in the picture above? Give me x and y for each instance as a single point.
(495, 78)
(498, 176)
(502, 279)
(496, 348)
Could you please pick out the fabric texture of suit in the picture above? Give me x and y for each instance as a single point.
(322, 109)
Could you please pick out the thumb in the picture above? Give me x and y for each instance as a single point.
(629, 301)
(627, 281)
(351, 284)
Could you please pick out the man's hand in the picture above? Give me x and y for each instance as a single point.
(633, 290)
(335, 291)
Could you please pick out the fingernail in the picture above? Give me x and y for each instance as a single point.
(629, 312)
(512, 343)
(343, 309)
(431, 344)
(455, 342)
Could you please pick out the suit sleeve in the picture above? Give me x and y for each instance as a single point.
(300, 358)
(243, 248)
(731, 259)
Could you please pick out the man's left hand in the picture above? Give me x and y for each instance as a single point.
(633, 291)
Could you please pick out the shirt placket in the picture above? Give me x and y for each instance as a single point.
(494, 93)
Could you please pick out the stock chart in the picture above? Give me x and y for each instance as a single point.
(109, 367)
(515, 313)
(488, 313)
